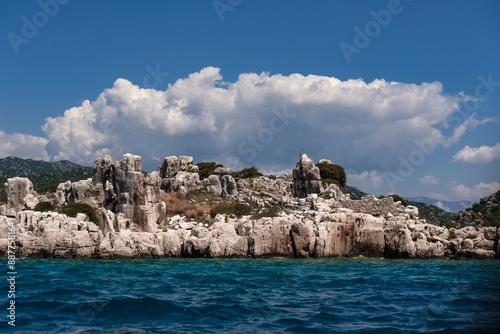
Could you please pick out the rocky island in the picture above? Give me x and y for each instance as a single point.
(295, 215)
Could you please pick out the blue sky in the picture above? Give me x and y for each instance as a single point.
(405, 95)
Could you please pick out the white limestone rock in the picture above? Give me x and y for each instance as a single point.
(17, 188)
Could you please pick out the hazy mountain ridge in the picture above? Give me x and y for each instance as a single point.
(453, 207)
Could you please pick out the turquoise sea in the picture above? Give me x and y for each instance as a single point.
(254, 296)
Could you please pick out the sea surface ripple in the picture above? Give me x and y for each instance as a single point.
(255, 296)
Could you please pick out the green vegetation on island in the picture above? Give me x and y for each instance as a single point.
(331, 173)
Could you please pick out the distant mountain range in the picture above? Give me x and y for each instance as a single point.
(42, 173)
(445, 205)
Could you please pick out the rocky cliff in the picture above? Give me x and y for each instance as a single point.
(312, 219)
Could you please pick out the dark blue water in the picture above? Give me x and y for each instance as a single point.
(255, 296)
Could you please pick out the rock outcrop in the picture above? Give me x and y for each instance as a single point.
(312, 221)
(178, 174)
(306, 178)
(221, 183)
(328, 234)
(17, 188)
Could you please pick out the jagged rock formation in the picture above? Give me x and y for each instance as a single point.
(17, 189)
(314, 221)
(178, 174)
(306, 178)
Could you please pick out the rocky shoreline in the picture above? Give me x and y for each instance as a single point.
(315, 219)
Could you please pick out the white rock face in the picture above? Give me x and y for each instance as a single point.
(88, 192)
(49, 234)
(306, 178)
(333, 234)
(63, 194)
(178, 174)
(172, 165)
(17, 188)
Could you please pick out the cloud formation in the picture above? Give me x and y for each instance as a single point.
(429, 180)
(260, 119)
(23, 146)
(476, 192)
(365, 179)
(440, 205)
(478, 155)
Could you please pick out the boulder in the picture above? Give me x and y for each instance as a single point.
(212, 185)
(228, 185)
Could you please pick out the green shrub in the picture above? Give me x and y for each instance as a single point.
(272, 177)
(44, 207)
(267, 212)
(452, 235)
(480, 208)
(399, 198)
(237, 209)
(447, 223)
(72, 209)
(205, 169)
(247, 173)
(51, 188)
(332, 174)
(492, 219)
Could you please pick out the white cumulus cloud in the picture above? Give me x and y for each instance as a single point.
(365, 179)
(260, 119)
(429, 180)
(23, 146)
(440, 205)
(479, 190)
(478, 155)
